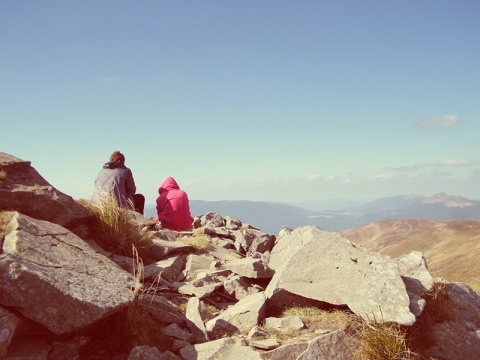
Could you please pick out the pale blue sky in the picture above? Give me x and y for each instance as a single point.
(256, 100)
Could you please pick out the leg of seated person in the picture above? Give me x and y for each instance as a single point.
(139, 203)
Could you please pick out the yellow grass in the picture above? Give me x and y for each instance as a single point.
(438, 309)
(208, 311)
(130, 327)
(5, 217)
(315, 320)
(382, 341)
(311, 315)
(113, 229)
(392, 341)
(199, 241)
(374, 341)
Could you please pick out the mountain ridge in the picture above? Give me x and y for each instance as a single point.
(271, 217)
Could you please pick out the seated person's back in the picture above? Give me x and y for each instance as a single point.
(173, 207)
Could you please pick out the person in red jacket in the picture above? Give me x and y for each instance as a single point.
(173, 206)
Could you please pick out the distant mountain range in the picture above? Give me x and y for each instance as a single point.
(271, 217)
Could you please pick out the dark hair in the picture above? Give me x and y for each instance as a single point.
(117, 156)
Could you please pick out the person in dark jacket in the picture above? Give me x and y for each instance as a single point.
(116, 179)
(173, 206)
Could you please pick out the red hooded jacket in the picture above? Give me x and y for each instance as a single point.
(173, 207)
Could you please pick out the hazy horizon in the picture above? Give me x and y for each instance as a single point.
(322, 204)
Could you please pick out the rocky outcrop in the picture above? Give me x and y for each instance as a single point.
(53, 277)
(241, 317)
(56, 290)
(455, 335)
(333, 345)
(24, 190)
(417, 279)
(319, 265)
(195, 321)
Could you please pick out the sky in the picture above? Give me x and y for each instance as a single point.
(278, 101)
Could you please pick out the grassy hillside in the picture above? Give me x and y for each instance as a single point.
(451, 248)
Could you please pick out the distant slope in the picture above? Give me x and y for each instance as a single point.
(451, 248)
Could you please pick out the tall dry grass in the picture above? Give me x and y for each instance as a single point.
(381, 341)
(392, 341)
(5, 217)
(373, 340)
(114, 230)
(438, 309)
(133, 325)
(130, 327)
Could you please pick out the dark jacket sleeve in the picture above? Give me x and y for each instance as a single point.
(130, 184)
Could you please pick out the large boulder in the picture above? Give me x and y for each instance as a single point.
(242, 316)
(194, 321)
(54, 278)
(336, 345)
(23, 189)
(250, 268)
(312, 263)
(417, 279)
(162, 309)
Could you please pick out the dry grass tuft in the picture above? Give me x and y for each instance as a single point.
(133, 325)
(5, 217)
(113, 229)
(316, 320)
(382, 341)
(437, 309)
(208, 311)
(3, 175)
(130, 327)
(199, 241)
(311, 315)
(374, 341)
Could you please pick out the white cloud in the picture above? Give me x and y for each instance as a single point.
(108, 79)
(313, 177)
(380, 177)
(438, 122)
(429, 165)
(327, 179)
(453, 162)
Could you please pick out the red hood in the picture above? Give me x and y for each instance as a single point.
(168, 184)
